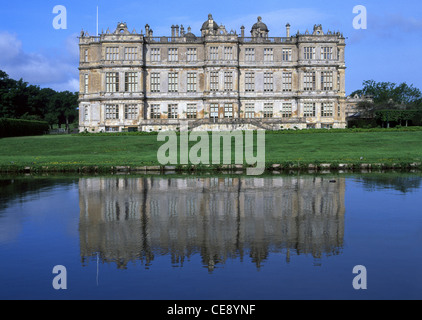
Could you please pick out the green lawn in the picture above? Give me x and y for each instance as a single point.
(137, 150)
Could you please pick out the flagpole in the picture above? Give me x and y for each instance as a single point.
(97, 21)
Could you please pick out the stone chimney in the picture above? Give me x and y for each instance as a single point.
(288, 30)
(177, 30)
(242, 32)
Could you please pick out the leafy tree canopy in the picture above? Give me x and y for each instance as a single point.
(20, 100)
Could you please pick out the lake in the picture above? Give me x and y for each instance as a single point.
(169, 237)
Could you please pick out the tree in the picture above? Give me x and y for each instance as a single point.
(390, 102)
(387, 92)
(20, 100)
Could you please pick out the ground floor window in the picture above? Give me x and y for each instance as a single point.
(213, 110)
(228, 110)
(327, 109)
(172, 111)
(286, 110)
(268, 110)
(309, 109)
(111, 111)
(131, 112)
(155, 111)
(191, 111)
(249, 110)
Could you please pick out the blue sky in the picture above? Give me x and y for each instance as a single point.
(388, 50)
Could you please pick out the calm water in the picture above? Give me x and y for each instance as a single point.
(168, 237)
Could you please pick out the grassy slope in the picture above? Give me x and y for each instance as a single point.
(68, 150)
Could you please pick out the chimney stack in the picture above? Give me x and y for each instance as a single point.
(288, 30)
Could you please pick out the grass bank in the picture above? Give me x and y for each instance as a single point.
(399, 148)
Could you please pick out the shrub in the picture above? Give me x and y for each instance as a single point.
(18, 127)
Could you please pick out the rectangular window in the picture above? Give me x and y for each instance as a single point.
(191, 111)
(228, 110)
(250, 54)
(309, 81)
(268, 110)
(309, 109)
(268, 55)
(287, 54)
(213, 81)
(213, 53)
(155, 111)
(112, 82)
(249, 81)
(131, 53)
(213, 110)
(228, 81)
(131, 82)
(155, 82)
(155, 54)
(191, 85)
(111, 111)
(327, 109)
(286, 110)
(112, 53)
(173, 83)
(287, 81)
(131, 112)
(86, 55)
(228, 53)
(86, 83)
(191, 55)
(249, 110)
(309, 53)
(173, 54)
(326, 80)
(112, 129)
(268, 82)
(326, 53)
(172, 111)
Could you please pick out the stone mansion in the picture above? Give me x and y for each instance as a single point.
(220, 80)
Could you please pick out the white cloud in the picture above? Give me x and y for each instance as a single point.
(57, 69)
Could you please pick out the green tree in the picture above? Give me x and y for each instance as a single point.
(390, 102)
(20, 100)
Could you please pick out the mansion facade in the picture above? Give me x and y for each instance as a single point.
(133, 81)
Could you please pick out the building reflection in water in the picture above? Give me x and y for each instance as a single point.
(135, 219)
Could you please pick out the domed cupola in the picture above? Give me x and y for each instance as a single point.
(259, 29)
(209, 26)
(189, 35)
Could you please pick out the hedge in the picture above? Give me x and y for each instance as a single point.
(18, 127)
